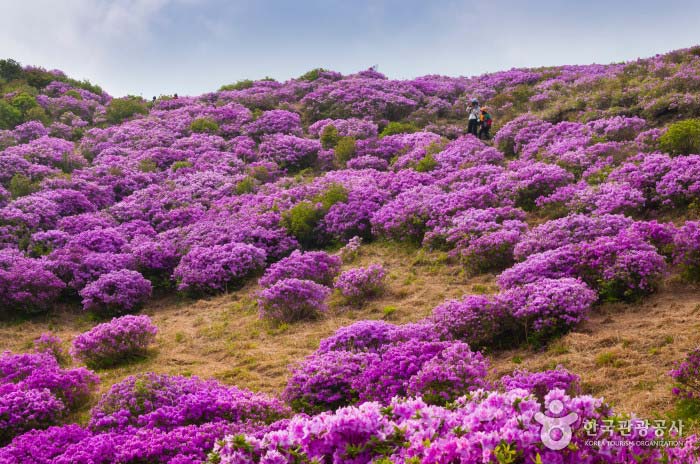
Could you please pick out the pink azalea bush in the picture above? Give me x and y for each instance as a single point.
(290, 300)
(115, 342)
(116, 292)
(207, 269)
(35, 392)
(360, 283)
(317, 266)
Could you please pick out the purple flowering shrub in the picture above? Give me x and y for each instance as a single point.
(71, 444)
(686, 375)
(326, 381)
(476, 320)
(165, 402)
(482, 427)
(289, 151)
(483, 239)
(26, 285)
(290, 300)
(620, 267)
(116, 292)
(35, 392)
(115, 342)
(317, 266)
(215, 268)
(547, 307)
(360, 283)
(398, 363)
(359, 337)
(275, 122)
(541, 383)
(449, 375)
(687, 250)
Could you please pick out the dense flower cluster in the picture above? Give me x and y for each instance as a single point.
(166, 402)
(362, 282)
(290, 300)
(116, 292)
(115, 342)
(205, 269)
(35, 392)
(312, 265)
(482, 427)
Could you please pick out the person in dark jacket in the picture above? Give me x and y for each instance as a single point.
(485, 121)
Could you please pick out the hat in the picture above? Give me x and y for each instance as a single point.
(474, 100)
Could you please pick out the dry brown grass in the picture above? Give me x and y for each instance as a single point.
(622, 353)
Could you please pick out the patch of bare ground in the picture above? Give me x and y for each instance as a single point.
(622, 353)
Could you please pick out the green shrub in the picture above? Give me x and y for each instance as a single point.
(260, 173)
(38, 114)
(427, 163)
(147, 165)
(398, 128)
(344, 150)
(246, 185)
(120, 109)
(9, 115)
(75, 94)
(682, 138)
(207, 125)
(301, 221)
(24, 102)
(329, 137)
(239, 85)
(335, 193)
(10, 69)
(21, 185)
(38, 78)
(312, 75)
(180, 165)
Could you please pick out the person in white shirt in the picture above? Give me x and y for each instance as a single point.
(474, 112)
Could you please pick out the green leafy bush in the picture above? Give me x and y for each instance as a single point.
(329, 136)
(246, 185)
(312, 75)
(427, 163)
(120, 109)
(335, 193)
(301, 221)
(24, 102)
(9, 115)
(10, 69)
(181, 165)
(147, 165)
(21, 185)
(398, 128)
(207, 125)
(239, 85)
(682, 138)
(344, 150)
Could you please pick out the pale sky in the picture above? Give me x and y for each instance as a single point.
(153, 47)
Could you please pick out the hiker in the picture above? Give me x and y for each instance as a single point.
(474, 113)
(486, 120)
